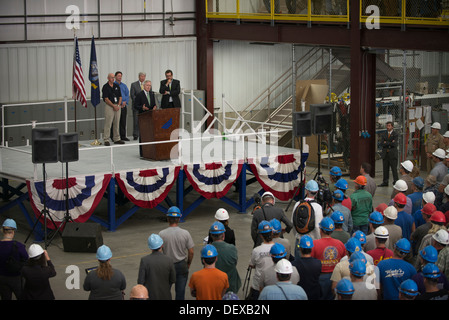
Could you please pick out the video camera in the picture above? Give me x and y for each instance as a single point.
(324, 195)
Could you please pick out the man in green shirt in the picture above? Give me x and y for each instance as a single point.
(362, 205)
(227, 256)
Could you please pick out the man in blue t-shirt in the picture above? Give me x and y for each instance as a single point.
(394, 271)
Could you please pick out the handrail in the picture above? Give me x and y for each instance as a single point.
(276, 84)
(403, 18)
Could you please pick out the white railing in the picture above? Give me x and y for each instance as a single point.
(33, 123)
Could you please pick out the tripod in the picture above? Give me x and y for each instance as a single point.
(44, 211)
(67, 216)
(300, 186)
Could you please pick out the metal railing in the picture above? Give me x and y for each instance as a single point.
(401, 12)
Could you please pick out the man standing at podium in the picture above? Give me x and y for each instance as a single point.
(170, 89)
(144, 101)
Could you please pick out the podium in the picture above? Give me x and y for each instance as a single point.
(157, 125)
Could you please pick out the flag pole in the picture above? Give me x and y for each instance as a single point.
(93, 77)
(74, 98)
(96, 141)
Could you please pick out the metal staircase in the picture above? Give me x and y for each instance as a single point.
(314, 59)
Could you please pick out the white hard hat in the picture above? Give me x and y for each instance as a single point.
(391, 213)
(408, 165)
(222, 214)
(446, 134)
(429, 197)
(436, 125)
(441, 236)
(439, 153)
(268, 194)
(381, 232)
(283, 266)
(35, 250)
(400, 185)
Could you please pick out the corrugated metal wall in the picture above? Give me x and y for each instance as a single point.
(242, 70)
(36, 20)
(43, 71)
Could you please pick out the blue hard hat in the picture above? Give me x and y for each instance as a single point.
(357, 268)
(345, 287)
(276, 225)
(155, 241)
(209, 251)
(403, 245)
(431, 270)
(341, 184)
(312, 185)
(376, 217)
(230, 296)
(419, 182)
(429, 253)
(104, 253)
(306, 242)
(327, 224)
(217, 228)
(337, 216)
(9, 223)
(338, 195)
(278, 250)
(409, 287)
(264, 227)
(335, 171)
(358, 255)
(174, 212)
(360, 235)
(353, 245)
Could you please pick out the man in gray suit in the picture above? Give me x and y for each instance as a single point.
(136, 87)
(157, 271)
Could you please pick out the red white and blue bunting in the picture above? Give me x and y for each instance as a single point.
(213, 180)
(280, 174)
(85, 193)
(147, 188)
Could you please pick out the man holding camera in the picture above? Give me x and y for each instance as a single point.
(268, 211)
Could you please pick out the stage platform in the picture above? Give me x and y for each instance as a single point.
(209, 167)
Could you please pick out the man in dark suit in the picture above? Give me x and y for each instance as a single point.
(170, 89)
(145, 100)
(389, 143)
(136, 87)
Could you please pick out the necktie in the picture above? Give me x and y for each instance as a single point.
(141, 86)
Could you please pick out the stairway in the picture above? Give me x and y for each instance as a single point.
(340, 83)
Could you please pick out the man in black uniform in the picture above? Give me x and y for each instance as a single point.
(389, 143)
(268, 212)
(112, 97)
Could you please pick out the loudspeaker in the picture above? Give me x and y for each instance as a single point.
(322, 118)
(302, 124)
(82, 237)
(44, 145)
(68, 147)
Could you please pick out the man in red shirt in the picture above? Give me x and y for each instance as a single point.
(329, 251)
(381, 252)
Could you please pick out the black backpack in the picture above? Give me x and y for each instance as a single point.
(304, 217)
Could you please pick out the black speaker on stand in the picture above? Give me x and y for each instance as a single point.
(44, 149)
(302, 124)
(322, 124)
(68, 152)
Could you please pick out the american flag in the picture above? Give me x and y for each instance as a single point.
(78, 89)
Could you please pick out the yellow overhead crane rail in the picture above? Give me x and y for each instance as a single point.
(404, 12)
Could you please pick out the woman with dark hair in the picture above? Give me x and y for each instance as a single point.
(105, 282)
(36, 274)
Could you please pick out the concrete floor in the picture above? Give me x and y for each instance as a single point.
(129, 242)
